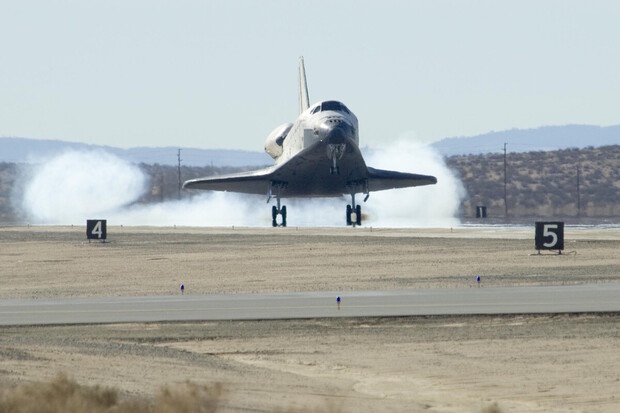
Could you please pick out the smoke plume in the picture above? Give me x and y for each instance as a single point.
(70, 187)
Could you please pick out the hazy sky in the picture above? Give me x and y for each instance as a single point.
(223, 74)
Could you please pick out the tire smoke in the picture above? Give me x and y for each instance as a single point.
(76, 186)
(425, 206)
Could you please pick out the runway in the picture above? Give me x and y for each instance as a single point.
(417, 302)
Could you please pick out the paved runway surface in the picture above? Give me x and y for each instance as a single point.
(448, 301)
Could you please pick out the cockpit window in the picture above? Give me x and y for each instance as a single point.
(315, 110)
(333, 106)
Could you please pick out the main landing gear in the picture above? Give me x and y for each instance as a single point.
(354, 213)
(276, 209)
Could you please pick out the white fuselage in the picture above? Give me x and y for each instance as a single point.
(315, 125)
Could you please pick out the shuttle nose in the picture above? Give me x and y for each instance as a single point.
(337, 131)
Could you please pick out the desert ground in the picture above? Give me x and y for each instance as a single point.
(522, 363)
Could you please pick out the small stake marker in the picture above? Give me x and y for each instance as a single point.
(478, 280)
(182, 289)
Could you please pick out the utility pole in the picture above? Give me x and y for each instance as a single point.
(578, 189)
(179, 171)
(161, 186)
(505, 203)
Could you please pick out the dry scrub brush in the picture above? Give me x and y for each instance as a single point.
(65, 395)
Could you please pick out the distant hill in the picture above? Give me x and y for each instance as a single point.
(545, 138)
(567, 183)
(25, 150)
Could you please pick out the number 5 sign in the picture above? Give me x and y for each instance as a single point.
(96, 229)
(549, 236)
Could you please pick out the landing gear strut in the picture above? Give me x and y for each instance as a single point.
(334, 169)
(354, 213)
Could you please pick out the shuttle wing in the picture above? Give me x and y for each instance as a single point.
(252, 182)
(379, 179)
(259, 182)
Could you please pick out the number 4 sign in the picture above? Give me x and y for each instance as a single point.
(549, 236)
(96, 229)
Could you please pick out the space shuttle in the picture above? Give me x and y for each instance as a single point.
(317, 155)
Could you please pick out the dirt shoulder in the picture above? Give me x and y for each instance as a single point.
(59, 262)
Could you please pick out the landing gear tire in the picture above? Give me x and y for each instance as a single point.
(358, 215)
(274, 216)
(334, 170)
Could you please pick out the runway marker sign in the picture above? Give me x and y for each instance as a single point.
(549, 236)
(96, 229)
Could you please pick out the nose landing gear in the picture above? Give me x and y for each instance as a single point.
(335, 152)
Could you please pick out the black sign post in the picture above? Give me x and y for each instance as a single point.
(549, 236)
(96, 229)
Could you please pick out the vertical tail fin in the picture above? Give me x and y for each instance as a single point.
(304, 101)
